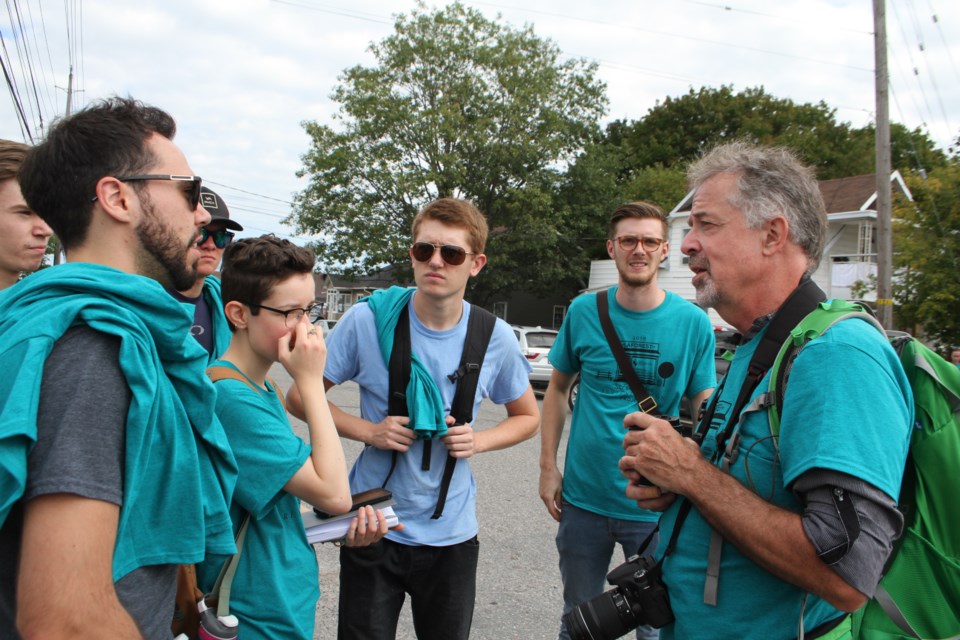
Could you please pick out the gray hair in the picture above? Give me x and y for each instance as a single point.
(771, 181)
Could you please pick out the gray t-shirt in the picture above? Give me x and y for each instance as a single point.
(81, 428)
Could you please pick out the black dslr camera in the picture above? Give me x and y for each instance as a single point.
(638, 597)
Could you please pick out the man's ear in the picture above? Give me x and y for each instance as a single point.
(776, 234)
(114, 198)
(237, 314)
(666, 252)
(610, 250)
(479, 261)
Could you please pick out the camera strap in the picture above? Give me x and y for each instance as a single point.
(645, 401)
(802, 301)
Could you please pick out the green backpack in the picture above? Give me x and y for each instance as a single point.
(919, 594)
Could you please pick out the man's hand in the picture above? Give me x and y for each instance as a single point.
(655, 451)
(392, 434)
(551, 489)
(459, 440)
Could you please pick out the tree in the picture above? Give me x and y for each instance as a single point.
(457, 105)
(678, 130)
(926, 255)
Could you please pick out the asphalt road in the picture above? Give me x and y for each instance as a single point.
(518, 582)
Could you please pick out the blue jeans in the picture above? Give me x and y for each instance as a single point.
(585, 541)
(374, 581)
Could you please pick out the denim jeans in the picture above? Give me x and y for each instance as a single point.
(585, 541)
(374, 580)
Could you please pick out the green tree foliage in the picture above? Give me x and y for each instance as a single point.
(456, 105)
(926, 255)
(678, 130)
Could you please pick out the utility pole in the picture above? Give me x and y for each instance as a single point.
(884, 225)
(57, 249)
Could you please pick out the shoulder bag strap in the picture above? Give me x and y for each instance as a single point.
(645, 401)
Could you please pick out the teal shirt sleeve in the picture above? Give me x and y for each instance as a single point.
(267, 450)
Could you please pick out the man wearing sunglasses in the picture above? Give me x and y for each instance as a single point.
(210, 326)
(114, 469)
(670, 343)
(449, 236)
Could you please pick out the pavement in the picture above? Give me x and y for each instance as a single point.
(518, 583)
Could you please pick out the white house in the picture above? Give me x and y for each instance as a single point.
(850, 254)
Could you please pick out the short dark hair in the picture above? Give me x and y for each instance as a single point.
(59, 176)
(456, 213)
(11, 158)
(253, 266)
(640, 210)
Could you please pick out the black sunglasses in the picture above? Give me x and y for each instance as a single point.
(221, 238)
(193, 193)
(449, 253)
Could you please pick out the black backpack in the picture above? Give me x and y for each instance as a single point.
(466, 377)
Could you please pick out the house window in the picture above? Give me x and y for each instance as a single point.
(686, 258)
(500, 309)
(559, 311)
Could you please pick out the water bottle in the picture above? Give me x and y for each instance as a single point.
(213, 627)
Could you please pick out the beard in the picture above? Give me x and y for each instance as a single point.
(634, 279)
(707, 293)
(164, 255)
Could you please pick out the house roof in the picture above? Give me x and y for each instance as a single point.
(840, 195)
(380, 280)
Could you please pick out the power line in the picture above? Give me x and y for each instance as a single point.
(818, 25)
(677, 35)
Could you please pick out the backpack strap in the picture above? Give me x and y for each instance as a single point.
(220, 372)
(803, 300)
(811, 326)
(224, 583)
(645, 401)
(467, 376)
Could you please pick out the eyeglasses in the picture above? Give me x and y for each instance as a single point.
(221, 238)
(193, 193)
(290, 316)
(449, 253)
(629, 243)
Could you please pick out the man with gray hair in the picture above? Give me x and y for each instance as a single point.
(773, 537)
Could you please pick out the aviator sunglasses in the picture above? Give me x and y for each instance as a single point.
(221, 238)
(449, 253)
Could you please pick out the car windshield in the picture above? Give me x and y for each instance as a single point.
(540, 340)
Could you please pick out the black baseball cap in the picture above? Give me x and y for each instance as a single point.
(217, 209)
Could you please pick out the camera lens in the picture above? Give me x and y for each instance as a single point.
(606, 617)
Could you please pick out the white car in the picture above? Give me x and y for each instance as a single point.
(535, 343)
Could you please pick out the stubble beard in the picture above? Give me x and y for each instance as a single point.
(633, 280)
(165, 255)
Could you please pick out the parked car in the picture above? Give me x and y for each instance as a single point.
(535, 343)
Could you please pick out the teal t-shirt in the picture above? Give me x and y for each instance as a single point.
(276, 588)
(671, 348)
(847, 407)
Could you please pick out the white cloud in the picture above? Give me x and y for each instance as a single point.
(240, 76)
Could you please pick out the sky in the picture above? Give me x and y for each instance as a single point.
(241, 76)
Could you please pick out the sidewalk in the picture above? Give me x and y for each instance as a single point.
(518, 582)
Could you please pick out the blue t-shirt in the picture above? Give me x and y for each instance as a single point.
(353, 354)
(276, 587)
(671, 348)
(847, 407)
